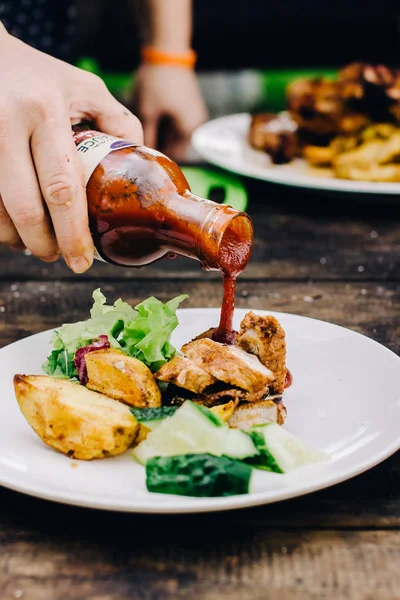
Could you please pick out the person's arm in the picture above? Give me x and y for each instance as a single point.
(166, 84)
(43, 204)
(166, 24)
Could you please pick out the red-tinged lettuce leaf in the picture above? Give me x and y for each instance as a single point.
(80, 356)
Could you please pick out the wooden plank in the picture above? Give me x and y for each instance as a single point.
(246, 562)
(371, 308)
(287, 246)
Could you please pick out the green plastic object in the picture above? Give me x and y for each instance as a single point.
(273, 82)
(204, 181)
(117, 83)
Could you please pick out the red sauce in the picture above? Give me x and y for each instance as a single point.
(224, 332)
(288, 379)
(235, 249)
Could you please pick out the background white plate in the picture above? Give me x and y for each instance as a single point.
(345, 399)
(223, 142)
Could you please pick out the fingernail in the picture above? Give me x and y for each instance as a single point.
(79, 264)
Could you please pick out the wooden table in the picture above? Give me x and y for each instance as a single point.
(329, 257)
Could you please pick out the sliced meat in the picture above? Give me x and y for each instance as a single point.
(184, 373)
(259, 413)
(316, 105)
(264, 337)
(206, 334)
(229, 364)
(213, 397)
(276, 135)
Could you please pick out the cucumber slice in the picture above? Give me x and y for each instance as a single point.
(198, 475)
(153, 417)
(281, 451)
(238, 444)
(193, 429)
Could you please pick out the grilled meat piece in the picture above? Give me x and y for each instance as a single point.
(215, 395)
(175, 396)
(184, 373)
(372, 89)
(258, 413)
(352, 122)
(211, 397)
(206, 334)
(229, 364)
(276, 135)
(315, 104)
(320, 110)
(264, 337)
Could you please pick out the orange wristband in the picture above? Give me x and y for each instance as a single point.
(153, 56)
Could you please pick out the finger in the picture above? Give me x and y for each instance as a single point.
(114, 118)
(186, 125)
(8, 233)
(62, 186)
(22, 199)
(150, 127)
(186, 121)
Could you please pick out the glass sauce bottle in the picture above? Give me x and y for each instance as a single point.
(141, 209)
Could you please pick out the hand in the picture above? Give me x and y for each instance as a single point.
(42, 196)
(169, 92)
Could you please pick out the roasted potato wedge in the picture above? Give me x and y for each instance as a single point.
(123, 378)
(225, 411)
(142, 434)
(74, 420)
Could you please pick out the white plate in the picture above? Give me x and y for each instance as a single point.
(223, 142)
(345, 400)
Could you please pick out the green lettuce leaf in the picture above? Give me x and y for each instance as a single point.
(61, 364)
(104, 320)
(148, 336)
(143, 333)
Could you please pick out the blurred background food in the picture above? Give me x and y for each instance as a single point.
(350, 124)
(258, 57)
(247, 51)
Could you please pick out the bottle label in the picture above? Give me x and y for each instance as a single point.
(93, 146)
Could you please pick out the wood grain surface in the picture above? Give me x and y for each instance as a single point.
(314, 255)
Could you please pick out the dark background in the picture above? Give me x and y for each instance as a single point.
(234, 34)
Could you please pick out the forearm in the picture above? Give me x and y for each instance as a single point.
(166, 24)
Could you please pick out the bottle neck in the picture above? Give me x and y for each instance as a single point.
(219, 236)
